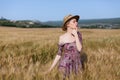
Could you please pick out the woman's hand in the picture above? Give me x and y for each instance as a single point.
(74, 32)
(53, 64)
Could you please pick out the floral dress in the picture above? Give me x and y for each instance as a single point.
(70, 60)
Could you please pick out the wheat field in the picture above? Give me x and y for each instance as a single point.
(26, 53)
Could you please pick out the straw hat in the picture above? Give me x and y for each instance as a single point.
(68, 18)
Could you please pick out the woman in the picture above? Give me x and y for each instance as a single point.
(69, 47)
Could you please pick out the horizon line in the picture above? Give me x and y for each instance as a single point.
(54, 20)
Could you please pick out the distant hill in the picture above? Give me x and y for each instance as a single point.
(53, 23)
(87, 21)
(93, 21)
(111, 23)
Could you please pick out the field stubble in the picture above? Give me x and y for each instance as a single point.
(26, 53)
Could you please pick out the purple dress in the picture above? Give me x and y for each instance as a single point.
(70, 60)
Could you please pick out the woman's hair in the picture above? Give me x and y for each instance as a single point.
(65, 27)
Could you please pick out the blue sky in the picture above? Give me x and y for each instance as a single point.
(46, 10)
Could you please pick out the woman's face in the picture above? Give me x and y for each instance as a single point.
(72, 24)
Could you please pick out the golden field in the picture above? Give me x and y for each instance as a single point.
(26, 53)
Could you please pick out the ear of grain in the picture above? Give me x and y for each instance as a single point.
(26, 53)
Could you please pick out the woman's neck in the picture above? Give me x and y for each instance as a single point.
(69, 30)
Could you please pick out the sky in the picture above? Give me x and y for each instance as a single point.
(51, 10)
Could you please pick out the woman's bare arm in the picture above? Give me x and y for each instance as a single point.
(54, 62)
(78, 43)
(58, 56)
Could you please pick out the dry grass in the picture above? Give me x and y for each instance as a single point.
(26, 53)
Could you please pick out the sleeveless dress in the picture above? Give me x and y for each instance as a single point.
(70, 57)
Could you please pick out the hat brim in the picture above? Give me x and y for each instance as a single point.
(73, 17)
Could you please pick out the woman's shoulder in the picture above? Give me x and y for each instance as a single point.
(61, 38)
